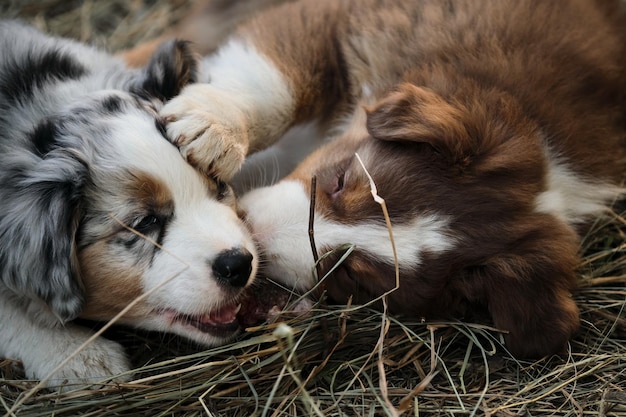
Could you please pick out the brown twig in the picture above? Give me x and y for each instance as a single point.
(321, 285)
(316, 257)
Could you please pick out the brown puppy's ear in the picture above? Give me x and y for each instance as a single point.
(528, 290)
(418, 114)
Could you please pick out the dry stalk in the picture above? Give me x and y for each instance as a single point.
(383, 205)
(382, 375)
(384, 328)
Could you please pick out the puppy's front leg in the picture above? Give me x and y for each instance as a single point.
(283, 68)
(247, 106)
(43, 348)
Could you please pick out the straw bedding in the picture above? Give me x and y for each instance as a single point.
(340, 361)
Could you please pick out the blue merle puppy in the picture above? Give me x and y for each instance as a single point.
(99, 210)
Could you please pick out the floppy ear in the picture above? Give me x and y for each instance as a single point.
(172, 66)
(528, 290)
(418, 114)
(39, 212)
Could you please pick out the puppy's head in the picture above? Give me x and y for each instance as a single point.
(459, 179)
(102, 209)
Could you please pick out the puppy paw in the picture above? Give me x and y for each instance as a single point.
(101, 361)
(209, 128)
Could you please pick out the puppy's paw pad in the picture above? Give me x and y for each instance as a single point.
(210, 129)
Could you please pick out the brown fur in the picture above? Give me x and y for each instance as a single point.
(459, 62)
(112, 287)
(466, 101)
(469, 105)
(109, 290)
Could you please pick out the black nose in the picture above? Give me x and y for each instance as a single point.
(233, 267)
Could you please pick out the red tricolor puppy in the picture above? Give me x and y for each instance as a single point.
(494, 130)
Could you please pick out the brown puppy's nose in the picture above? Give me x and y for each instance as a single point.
(233, 267)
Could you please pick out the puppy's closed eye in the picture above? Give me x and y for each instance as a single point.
(337, 185)
(335, 180)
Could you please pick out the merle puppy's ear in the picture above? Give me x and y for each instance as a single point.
(418, 114)
(40, 199)
(172, 66)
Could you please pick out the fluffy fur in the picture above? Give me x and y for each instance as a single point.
(494, 130)
(98, 208)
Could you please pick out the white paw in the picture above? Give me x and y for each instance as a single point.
(210, 129)
(101, 361)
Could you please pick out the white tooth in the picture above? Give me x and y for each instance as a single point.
(238, 308)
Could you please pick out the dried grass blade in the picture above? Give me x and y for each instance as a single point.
(383, 205)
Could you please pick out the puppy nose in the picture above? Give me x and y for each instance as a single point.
(233, 267)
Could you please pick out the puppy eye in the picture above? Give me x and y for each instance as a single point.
(147, 224)
(338, 184)
(341, 178)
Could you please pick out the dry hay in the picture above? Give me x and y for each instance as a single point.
(341, 360)
(114, 24)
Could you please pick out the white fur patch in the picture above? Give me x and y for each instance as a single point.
(246, 106)
(279, 218)
(255, 86)
(201, 227)
(22, 338)
(572, 199)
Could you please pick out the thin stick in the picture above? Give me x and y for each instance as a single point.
(321, 285)
(316, 257)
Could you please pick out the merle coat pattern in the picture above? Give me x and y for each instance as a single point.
(98, 209)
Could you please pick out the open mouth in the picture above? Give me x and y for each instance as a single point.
(222, 322)
(258, 304)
